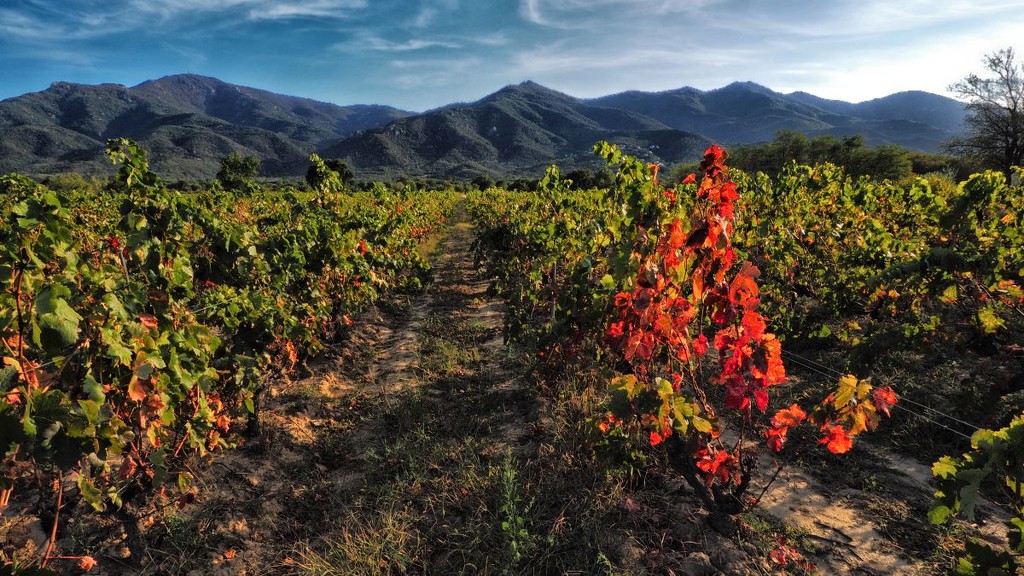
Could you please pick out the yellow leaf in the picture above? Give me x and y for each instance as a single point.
(626, 384)
(859, 423)
(990, 322)
(844, 393)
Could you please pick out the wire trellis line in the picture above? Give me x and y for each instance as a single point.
(828, 372)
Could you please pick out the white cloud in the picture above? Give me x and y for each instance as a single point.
(275, 10)
(425, 17)
(923, 64)
(383, 45)
(845, 19)
(493, 40)
(573, 14)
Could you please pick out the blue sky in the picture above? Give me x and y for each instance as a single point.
(419, 54)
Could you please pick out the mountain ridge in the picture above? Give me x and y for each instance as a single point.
(188, 122)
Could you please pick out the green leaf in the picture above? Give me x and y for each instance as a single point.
(58, 322)
(950, 294)
(940, 514)
(627, 384)
(91, 493)
(1016, 534)
(93, 389)
(8, 378)
(702, 425)
(184, 481)
(971, 479)
(665, 390)
(159, 461)
(990, 321)
(28, 424)
(91, 410)
(144, 371)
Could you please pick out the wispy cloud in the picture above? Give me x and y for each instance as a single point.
(47, 25)
(573, 14)
(837, 20)
(383, 45)
(275, 10)
(493, 40)
(425, 17)
(58, 22)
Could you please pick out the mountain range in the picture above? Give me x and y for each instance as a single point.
(189, 122)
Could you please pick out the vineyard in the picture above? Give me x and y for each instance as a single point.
(619, 380)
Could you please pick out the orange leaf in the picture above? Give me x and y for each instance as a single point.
(128, 468)
(137, 390)
(743, 289)
(791, 416)
(86, 563)
(676, 236)
(148, 320)
(836, 440)
(776, 438)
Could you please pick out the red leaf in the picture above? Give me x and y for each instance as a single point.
(776, 438)
(836, 440)
(639, 344)
(656, 438)
(761, 399)
(714, 465)
(148, 320)
(623, 299)
(883, 398)
(714, 161)
(778, 555)
(700, 345)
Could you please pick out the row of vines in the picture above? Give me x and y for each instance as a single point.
(140, 327)
(683, 297)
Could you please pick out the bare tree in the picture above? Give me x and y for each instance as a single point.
(995, 114)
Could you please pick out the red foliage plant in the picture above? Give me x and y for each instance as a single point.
(688, 288)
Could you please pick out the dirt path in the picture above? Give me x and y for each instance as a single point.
(842, 527)
(866, 512)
